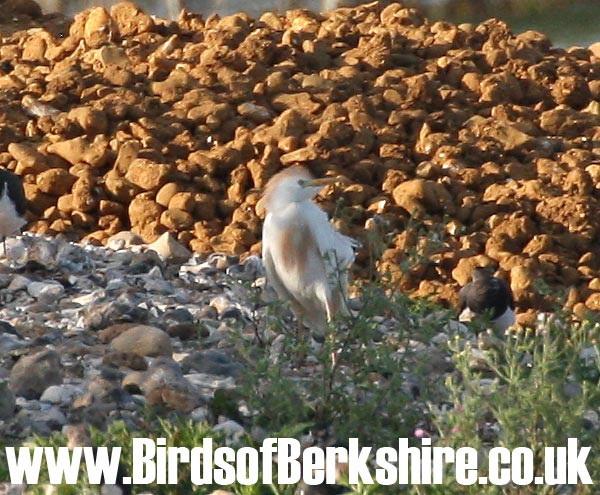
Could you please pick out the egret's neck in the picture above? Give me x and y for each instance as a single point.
(282, 202)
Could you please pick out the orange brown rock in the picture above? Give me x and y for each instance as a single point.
(463, 145)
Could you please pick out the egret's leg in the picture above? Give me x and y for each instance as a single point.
(301, 342)
(331, 308)
(324, 296)
(299, 328)
(300, 335)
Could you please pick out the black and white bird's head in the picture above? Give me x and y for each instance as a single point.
(13, 204)
(482, 273)
(487, 295)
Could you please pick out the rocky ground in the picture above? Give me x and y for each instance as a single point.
(98, 334)
(132, 332)
(464, 144)
(135, 332)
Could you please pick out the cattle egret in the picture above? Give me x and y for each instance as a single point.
(490, 295)
(306, 259)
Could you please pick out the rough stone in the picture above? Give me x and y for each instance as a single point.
(146, 174)
(169, 249)
(55, 181)
(130, 19)
(7, 402)
(33, 374)
(140, 126)
(143, 340)
(98, 27)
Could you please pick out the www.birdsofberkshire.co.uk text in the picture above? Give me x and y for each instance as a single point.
(284, 461)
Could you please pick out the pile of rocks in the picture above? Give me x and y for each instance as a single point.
(486, 138)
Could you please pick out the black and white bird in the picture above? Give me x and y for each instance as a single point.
(489, 296)
(12, 205)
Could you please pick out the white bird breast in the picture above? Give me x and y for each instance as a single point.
(504, 321)
(467, 315)
(10, 221)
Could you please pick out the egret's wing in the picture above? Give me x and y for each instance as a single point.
(345, 251)
(329, 241)
(294, 265)
(337, 252)
(271, 253)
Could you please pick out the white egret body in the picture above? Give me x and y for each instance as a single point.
(305, 258)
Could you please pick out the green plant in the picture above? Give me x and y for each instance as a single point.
(360, 366)
(4, 474)
(538, 390)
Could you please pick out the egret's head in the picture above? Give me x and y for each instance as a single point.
(293, 185)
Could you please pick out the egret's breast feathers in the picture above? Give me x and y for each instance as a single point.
(303, 253)
(295, 243)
